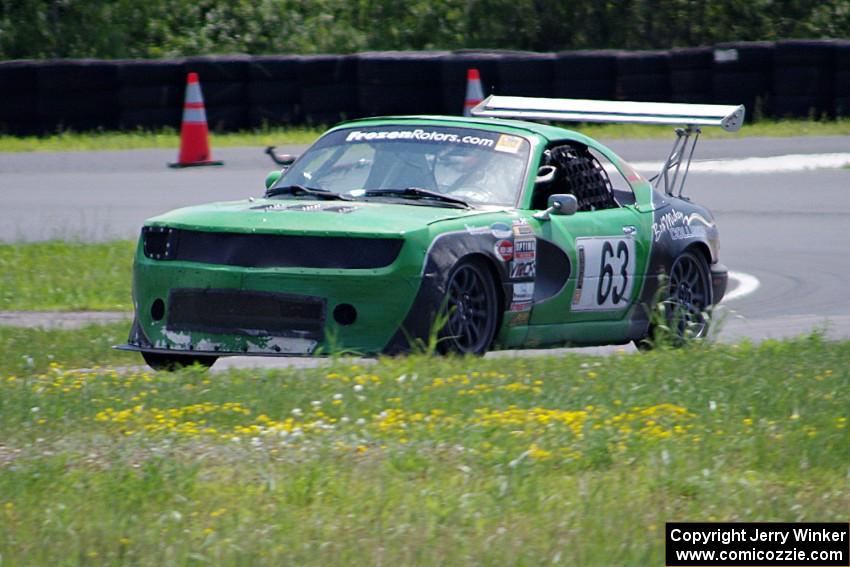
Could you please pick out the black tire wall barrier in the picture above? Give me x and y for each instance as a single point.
(19, 98)
(150, 93)
(796, 78)
(585, 74)
(690, 74)
(328, 87)
(272, 94)
(841, 78)
(644, 76)
(399, 82)
(526, 74)
(78, 94)
(743, 74)
(803, 78)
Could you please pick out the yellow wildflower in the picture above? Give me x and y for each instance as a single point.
(538, 453)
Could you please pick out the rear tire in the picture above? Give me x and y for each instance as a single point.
(472, 309)
(172, 362)
(686, 301)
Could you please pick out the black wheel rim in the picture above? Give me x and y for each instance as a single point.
(470, 306)
(689, 297)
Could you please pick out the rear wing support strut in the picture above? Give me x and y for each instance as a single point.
(686, 142)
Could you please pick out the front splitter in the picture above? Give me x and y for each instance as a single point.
(174, 351)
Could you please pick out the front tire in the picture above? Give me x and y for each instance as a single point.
(172, 362)
(471, 304)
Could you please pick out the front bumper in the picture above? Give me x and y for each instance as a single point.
(204, 309)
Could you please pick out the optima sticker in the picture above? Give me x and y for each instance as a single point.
(525, 249)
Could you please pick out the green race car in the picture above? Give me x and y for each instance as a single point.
(482, 233)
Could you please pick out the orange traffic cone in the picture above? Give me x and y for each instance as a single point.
(474, 92)
(194, 134)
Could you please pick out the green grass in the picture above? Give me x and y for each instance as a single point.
(419, 461)
(169, 138)
(140, 139)
(66, 276)
(27, 350)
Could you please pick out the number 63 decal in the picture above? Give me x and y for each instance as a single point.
(606, 273)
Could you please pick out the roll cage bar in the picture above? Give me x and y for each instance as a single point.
(692, 116)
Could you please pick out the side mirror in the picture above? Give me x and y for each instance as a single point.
(280, 159)
(272, 177)
(563, 204)
(559, 204)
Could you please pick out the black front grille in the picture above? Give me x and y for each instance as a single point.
(269, 250)
(246, 312)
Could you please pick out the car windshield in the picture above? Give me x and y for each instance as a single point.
(464, 165)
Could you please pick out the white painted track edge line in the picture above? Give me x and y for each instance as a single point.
(747, 284)
(756, 165)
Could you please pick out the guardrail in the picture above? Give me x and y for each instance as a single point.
(795, 78)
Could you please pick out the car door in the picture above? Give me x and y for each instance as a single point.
(607, 258)
(608, 249)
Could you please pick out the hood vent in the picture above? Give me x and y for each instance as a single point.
(306, 208)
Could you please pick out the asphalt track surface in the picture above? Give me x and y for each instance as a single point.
(790, 230)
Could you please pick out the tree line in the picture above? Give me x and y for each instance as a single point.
(113, 29)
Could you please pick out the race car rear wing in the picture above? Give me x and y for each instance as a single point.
(691, 116)
(728, 117)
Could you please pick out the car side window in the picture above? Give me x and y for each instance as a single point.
(621, 188)
(577, 172)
